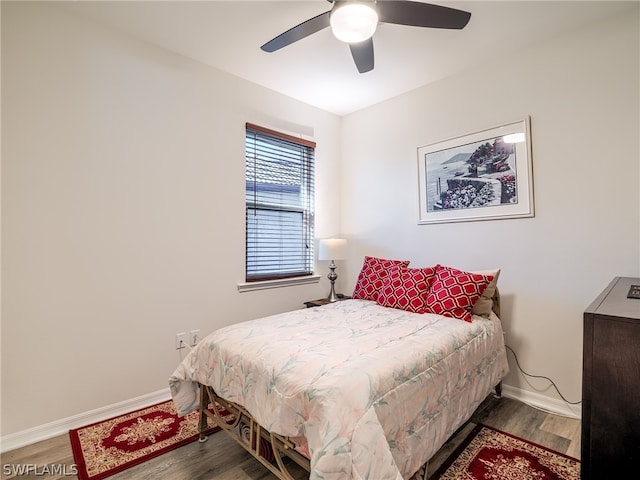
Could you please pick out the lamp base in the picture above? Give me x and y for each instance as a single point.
(332, 295)
(332, 278)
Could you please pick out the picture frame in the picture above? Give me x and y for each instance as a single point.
(486, 175)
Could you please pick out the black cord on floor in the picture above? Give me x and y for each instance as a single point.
(540, 376)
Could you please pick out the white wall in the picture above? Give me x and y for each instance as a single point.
(581, 92)
(123, 210)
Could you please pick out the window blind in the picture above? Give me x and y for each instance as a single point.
(279, 201)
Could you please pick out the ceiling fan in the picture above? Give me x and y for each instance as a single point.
(355, 21)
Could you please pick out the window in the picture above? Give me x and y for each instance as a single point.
(279, 205)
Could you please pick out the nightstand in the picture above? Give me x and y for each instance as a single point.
(324, 301)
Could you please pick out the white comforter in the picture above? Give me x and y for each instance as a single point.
(375, 391)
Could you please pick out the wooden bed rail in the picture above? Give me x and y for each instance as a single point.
(268, 448)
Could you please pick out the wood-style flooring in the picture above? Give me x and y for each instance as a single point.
(220, 458)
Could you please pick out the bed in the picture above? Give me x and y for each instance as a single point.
(355, 389)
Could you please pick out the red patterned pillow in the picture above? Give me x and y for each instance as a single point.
(372, 275)
(454, 292)
(406, 289)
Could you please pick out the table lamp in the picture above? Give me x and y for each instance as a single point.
(332, 249)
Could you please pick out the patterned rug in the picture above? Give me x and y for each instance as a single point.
(111, 446)
(491, 454)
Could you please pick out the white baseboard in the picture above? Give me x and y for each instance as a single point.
(542, 402)
(59, 427)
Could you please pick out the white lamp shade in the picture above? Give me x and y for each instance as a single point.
(353, 22)
(332, 249)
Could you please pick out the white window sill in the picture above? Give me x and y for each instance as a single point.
(284, 282)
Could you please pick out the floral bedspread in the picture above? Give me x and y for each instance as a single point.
(376, 391)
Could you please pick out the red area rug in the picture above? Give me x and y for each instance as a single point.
(491, 454)
(111, 446)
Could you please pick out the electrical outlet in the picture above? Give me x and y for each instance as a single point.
(194, 337)
(181, 340)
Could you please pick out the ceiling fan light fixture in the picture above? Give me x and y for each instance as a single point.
(353, 22)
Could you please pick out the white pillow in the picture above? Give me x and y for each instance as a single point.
(484, 305)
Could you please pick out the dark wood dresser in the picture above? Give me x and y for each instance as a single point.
(611, 384)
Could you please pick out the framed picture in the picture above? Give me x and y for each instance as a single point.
(485, 175)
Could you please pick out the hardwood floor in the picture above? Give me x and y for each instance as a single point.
(220, 458)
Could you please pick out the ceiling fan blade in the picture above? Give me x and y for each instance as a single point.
(298, 32)
(404, 12)
(362, 53)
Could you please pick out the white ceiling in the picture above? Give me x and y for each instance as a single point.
(319, 69)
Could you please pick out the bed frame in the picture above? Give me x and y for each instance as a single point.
(270, 449)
